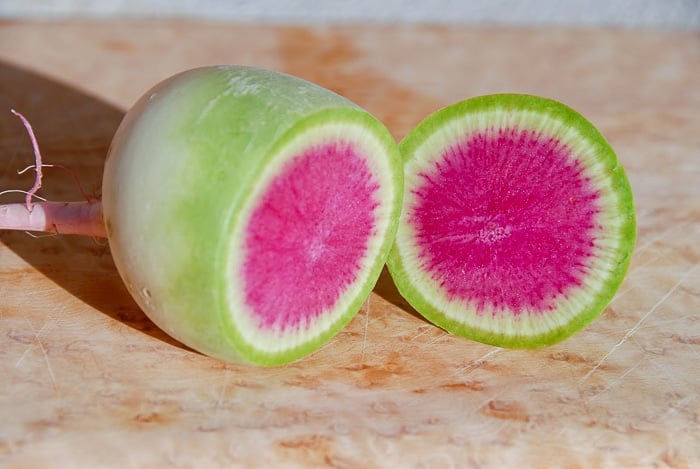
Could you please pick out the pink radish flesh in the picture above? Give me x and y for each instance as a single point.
(506, 220)
(302, 247)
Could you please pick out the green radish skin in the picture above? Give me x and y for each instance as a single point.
(183, 174)
(487, 322)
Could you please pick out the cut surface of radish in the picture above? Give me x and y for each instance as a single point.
(518, 222)
(317, 215)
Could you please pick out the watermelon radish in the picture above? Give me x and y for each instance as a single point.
(248, 212)
(518, 221)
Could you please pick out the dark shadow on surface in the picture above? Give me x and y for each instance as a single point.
(386, 288)
(74, 130)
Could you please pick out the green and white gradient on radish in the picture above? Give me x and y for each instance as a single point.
(518, 222)
(250, 212)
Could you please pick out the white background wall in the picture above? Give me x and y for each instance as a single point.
(683, 14)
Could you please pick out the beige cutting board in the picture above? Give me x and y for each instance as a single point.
(86, 380)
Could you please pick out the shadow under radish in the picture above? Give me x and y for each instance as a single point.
(386, 288)
(74, 130)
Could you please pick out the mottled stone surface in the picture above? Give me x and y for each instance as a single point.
(86, 379)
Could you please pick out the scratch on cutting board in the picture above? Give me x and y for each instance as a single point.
(48, 363)
(222, 393)
(37, 341)
(439, 338)
(31, 346)
(669, 323)
(634, 328)
(364, 338)
(423, 330)
(476, 362)
(617, 380)
(679, 405)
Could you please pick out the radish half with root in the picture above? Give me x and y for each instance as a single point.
(248, 212)
(518, 222)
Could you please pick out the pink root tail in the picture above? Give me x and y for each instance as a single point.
(80, 218)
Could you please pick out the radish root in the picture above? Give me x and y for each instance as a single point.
(37, 158)
(81, 218)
